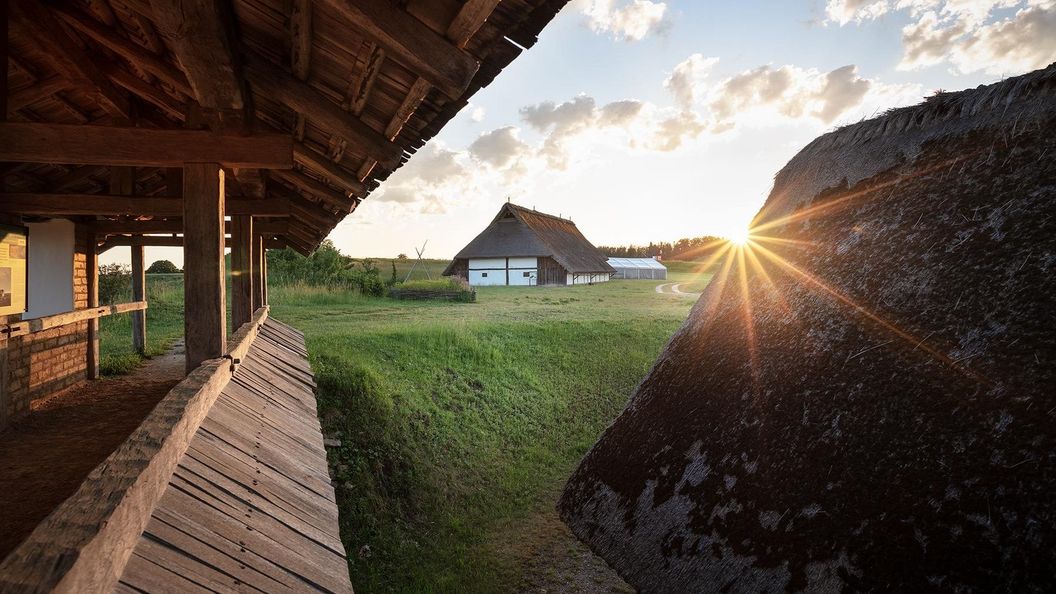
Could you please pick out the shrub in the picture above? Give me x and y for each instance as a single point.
(115, 283)
(163, 267)
(325, 267)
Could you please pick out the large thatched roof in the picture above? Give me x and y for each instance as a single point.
(869, 404)
(517, 231)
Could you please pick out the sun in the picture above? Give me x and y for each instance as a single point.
(738, 237)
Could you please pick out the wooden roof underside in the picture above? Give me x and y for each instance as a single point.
(360, 85)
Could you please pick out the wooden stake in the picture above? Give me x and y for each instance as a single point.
(205, 323)
(139, 293)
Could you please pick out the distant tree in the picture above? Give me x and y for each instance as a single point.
(163, 267)
(694, 249)
(115, 283)
(401, 257)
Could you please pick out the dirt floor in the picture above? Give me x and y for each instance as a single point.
(45, 456)
(552, 560)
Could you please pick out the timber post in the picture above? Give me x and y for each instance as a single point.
(242, 253)
(139, 293)
(91, 266)
(205, 324)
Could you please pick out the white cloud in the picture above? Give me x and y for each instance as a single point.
(631, 20)
(499, 148)
(969, 35)
(477, 115)
(687, 77)
(431, 179)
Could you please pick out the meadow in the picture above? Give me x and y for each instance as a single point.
(459, 422)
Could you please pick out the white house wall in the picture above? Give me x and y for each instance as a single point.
(519, 271)
(50, 269)
(587, 278)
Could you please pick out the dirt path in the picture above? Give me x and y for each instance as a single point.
(45, 456)
(674, 288)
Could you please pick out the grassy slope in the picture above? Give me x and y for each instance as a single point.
(459, 420)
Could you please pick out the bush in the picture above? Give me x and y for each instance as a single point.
(325, 267)
(115, 284)
(163, 267)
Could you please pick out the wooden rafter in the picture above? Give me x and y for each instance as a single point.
(469, 19)
(363, 77)
(121, 46)
(199, 32)
(69, 58)
(410, 42)
(301, 97)
(318, 189)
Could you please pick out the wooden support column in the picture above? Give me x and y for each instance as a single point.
(91, 266)
(256, 271)
(205, 323)
(263, 277)
(139, 293)
(242, 249)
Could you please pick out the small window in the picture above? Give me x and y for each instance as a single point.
(483, 275)
(527, 275)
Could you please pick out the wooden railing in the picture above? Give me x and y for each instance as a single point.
(70, 317)
(84, 544)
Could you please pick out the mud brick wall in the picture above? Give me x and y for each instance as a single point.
(41, 364)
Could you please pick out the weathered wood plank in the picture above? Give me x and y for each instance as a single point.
(205, 315)
(112, 145)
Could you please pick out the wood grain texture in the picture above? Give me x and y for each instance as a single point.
(241, 257)
(111, 145)
(410, 42)
(205, 315)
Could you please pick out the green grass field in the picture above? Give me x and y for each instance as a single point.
(458, 422)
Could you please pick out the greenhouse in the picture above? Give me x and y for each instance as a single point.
(638, 268)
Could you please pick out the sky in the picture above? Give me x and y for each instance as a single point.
(646, 120)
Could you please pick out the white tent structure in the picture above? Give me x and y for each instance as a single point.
(638, 268)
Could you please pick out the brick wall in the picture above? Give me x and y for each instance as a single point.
(40, 364)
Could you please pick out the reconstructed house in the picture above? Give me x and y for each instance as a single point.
(524, 247)
(862, 398)
(249, 124)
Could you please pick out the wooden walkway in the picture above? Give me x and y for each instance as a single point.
(250, 506)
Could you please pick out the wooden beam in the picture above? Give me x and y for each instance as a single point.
(205, 324)
(146, 241)
(174, 225)
(410, 42)
(69, 58)
(199, 32)
(469, 19)
(272, 82)
(68, 205)
(256, 268)
(415, 95)
(335, 173)
(141, 147)
(129, 50)
(242, 303)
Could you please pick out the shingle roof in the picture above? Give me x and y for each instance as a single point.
(520, 231)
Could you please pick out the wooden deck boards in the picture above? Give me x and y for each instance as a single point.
(250, 507)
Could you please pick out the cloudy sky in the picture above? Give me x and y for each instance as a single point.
(645, 120)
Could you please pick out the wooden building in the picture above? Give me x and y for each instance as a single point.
(523, 247)
(206, 124)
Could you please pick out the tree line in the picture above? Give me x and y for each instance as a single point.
(688, 248)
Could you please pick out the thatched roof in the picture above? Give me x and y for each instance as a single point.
(360, 86)
(517, 231)
(869, 407)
